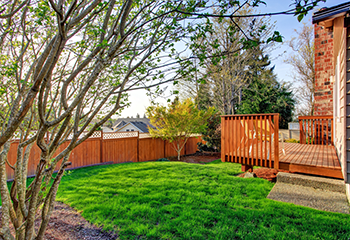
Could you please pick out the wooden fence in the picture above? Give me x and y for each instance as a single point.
(109, 148)
(251, 140)
(316, 130)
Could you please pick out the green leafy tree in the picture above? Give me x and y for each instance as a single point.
(177, 122)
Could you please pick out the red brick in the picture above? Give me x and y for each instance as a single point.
(324, 68)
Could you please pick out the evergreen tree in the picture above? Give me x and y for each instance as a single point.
(268, 96)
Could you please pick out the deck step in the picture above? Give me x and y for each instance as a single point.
(310, 181)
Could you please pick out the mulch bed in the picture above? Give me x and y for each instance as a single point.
(66, 223)
(269, 174)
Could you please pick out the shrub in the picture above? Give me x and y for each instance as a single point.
(212, 135)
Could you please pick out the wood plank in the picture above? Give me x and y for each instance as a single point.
(326, 172)
(297, 157)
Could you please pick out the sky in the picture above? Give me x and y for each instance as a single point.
(285, 24)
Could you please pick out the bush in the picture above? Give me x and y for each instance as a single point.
(212, 135)
(205, 148)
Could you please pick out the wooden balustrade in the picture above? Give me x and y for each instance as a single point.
(316, 130)
(251, 140)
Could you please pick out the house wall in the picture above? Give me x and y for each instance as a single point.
(332, 73)
(130, 128)
(339, 96)
(323, 71)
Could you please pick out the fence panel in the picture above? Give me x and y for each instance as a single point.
(170, 151)
(191, 145)
(107, 147)
(120, 150)
(151, 149)
(316, 130)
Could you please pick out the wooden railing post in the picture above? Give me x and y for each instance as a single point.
(276, 122)
(301, 130)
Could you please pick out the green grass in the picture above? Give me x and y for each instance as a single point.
(174, 200)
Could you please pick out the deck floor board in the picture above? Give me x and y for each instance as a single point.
(310, 155)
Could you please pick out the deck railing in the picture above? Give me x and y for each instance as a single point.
(316, 130)
(251, 140)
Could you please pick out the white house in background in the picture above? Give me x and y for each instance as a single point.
(132, 124)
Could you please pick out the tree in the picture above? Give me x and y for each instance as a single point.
(67, 67)
(267, 95)
(223, 78)
(303, 63)
(212, 134)
(177, 122)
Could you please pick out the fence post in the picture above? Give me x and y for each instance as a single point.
(138, 146)
(101, 147)
(277, 149)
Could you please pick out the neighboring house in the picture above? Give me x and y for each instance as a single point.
(132, 124)
(107, 129)
(332, 67)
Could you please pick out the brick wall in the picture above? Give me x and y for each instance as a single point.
(323, 70)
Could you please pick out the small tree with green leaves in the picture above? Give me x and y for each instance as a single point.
(177, 122)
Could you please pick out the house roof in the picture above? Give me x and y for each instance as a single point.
(120, 124)
(140, 123)
(330, 13)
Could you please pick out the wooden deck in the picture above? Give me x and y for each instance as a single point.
(253, 140)
(318, 160)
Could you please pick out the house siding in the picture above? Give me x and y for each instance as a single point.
(340, 55)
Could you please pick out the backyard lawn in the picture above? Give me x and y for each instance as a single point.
(175, 200)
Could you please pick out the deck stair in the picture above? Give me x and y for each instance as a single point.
(316, 192)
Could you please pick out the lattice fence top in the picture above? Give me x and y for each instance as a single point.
(17, 135)
(97, 134)
(120, 135)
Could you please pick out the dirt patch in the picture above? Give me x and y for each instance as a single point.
(269, 174)
(66, 223)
